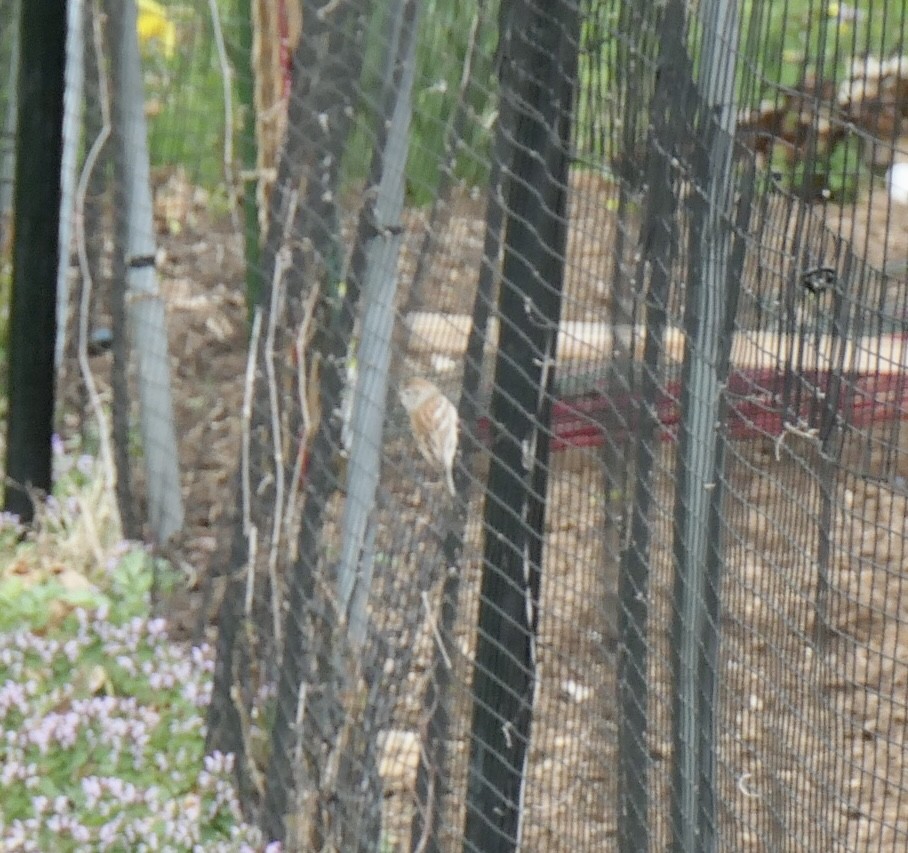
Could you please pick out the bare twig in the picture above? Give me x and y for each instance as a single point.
(91, 529)
(252, 544)
(801, 430)
(427, 828)
(226, 81)
(91, 159)
(304, 388)
(247, 418)
(277, 290)
(436, 633)
(249, 530)
(304, 335)
(246, 734)
(328, 9)
(302, 708)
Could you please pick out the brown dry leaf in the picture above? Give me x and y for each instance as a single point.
(99, 681)
(71, 580)
(24, 569)
(57, 611)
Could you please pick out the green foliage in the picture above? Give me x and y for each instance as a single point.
(185, 96)
(106, 741)
(785, 40)
(792, 45)
(837, 178)
(781, 42)
(101, 716)
(74, 556)
(597, 132)
(23, 602)
(35, 595)
(441, 51)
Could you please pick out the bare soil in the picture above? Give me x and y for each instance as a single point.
(811, 745)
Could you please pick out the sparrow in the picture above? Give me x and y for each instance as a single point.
(433, 421)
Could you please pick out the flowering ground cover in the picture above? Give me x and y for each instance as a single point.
(101, 715)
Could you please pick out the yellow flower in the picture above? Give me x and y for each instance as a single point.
(843, 13)
(153, 24)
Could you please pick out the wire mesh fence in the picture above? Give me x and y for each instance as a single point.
(527, 380)
(9, 56)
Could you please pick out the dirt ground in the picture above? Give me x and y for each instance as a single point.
(811, 746)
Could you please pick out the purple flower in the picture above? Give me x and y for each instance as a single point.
(52, 506)
(85, 464)
(157, 629)
(93, 790)
(115, 809)
(13, 697)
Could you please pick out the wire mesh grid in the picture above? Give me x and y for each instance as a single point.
(651, 258)
(10, 61)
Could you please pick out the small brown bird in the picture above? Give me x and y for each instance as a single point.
(433, 420)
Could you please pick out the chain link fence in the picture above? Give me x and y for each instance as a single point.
(526, 379)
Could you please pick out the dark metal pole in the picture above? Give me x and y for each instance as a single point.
(539, 53)
(36, 252)
(658, 250)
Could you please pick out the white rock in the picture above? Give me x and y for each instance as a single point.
(897, 181)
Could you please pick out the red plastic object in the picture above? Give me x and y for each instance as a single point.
(760, 402)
